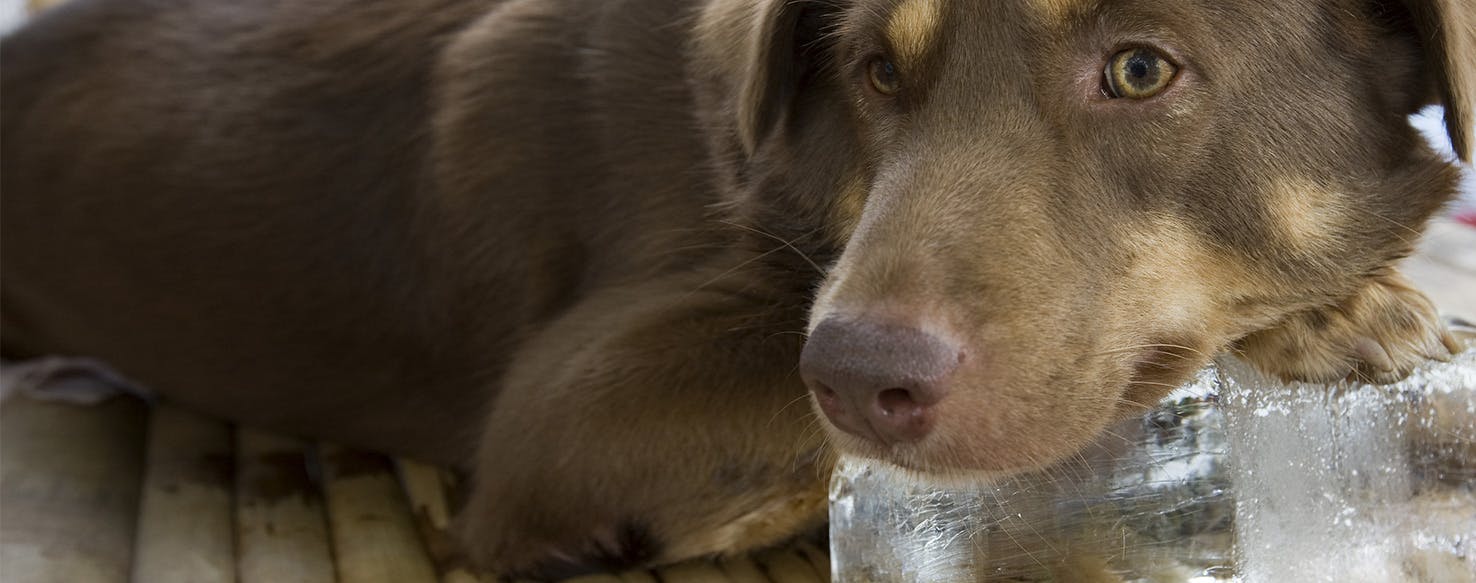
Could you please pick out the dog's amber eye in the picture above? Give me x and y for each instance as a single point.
(884, 77)
(1138, 74)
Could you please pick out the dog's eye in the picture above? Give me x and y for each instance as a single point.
(884, 76)
(1138, 74)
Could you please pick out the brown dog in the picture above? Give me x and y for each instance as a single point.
(576, 246)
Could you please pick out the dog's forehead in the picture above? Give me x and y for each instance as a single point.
(914, 27)
(1060, 10)
(926, 37)
(1005, 52)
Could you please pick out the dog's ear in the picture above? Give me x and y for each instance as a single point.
(1447, 35)
(770, 48)
(770, 78)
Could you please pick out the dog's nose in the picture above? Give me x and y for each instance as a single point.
(876, 380)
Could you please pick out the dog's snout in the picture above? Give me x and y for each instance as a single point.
(877, 380)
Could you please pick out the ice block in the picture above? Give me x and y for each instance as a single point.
(1233, 477)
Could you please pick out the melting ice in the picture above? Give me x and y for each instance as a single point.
(1234, 477)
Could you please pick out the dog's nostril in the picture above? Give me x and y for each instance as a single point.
(896, 402)
(826, 395)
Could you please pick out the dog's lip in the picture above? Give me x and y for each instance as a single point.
(911, 459)
(903, 455)
(931, 472)
(857, 447)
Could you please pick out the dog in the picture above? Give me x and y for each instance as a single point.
(642, 267)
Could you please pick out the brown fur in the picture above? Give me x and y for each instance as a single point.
(574, 246)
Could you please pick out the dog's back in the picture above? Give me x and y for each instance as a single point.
(227, 191)
(190, 198)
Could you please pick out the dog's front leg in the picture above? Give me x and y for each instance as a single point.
(648, 425)
(1379, 335)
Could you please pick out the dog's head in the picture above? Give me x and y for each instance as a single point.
(1043, 214)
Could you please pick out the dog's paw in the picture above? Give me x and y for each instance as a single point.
(1378, 335)
(519, 554)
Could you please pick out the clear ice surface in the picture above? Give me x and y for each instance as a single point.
(1234, 477)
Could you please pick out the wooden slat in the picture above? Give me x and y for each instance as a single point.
(594, 579)
(638, 577)
(819, 559)
(426, 488)
(70, 484)
(281, 527)
(71, 512)
(466, 577)
(786, 565)
(185, 533)
(374, 535)
(694, 572)
(743, 570)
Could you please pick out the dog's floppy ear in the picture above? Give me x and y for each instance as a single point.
(767, 48)
(1447, 30)
(771, 76)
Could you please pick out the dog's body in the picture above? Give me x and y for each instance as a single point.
(327, 256)
(574, 245)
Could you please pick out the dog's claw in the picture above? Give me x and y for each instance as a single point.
(1373, 354)
(1452, 344)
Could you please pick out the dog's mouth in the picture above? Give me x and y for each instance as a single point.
(1157, 369)
(978, 444)
(974, 457)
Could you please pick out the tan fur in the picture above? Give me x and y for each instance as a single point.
(911, 27)
(34, 6)
(1307, 213)
(1174, 274)
(1063, 9)
(573, 247)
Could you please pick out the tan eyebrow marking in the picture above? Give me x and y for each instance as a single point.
(1061, 9)
(911, 28)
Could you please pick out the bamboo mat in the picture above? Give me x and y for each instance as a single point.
(122, 492)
